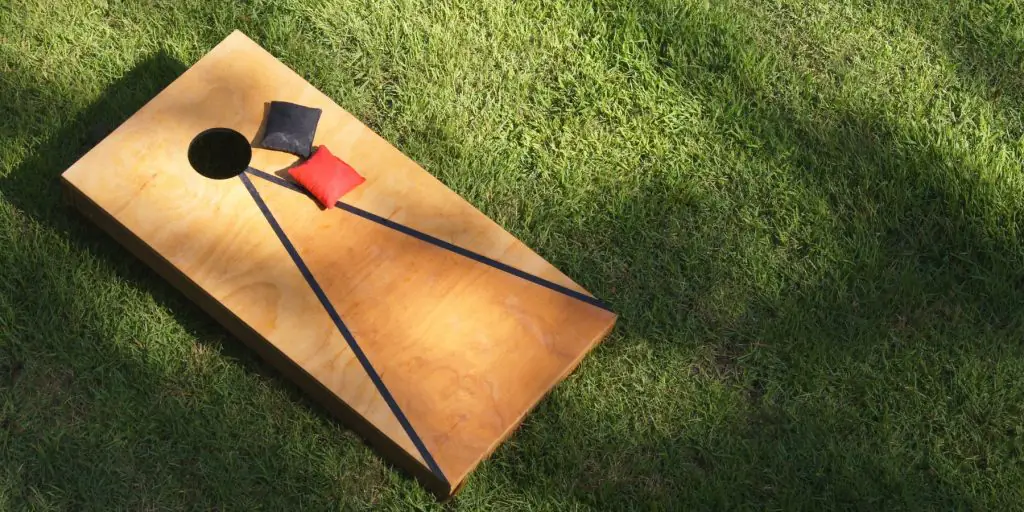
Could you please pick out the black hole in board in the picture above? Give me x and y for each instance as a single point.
(219, 153)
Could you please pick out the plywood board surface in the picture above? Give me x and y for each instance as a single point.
(406, 311)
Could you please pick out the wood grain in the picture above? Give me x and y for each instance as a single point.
(467, 350)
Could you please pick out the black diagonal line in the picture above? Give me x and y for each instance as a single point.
(336, 318)
(462, 251)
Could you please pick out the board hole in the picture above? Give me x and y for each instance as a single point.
(219, 153)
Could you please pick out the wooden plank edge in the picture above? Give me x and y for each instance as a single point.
(294, 373)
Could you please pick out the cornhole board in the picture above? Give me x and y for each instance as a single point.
(406, 312)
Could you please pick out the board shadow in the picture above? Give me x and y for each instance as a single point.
(34, 185)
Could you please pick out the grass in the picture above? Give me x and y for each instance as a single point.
(808, 215)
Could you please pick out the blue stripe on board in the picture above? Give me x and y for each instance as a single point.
(360, 355)
(441, 243)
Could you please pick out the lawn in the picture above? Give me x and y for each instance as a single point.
(808, 215)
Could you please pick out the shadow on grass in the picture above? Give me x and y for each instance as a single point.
(985, 40)
(877, 365)
(95, 422)
(870, 374)
(916, 285)
(987, 53)
(34, 186)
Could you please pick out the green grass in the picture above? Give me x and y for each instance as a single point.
(808, 214)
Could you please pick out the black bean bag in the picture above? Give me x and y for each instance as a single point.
(290, 128)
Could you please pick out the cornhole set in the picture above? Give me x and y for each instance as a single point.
(406, 312)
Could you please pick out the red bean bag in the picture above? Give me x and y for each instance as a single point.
(326, 176)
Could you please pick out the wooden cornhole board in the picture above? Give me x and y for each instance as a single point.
(406, 312)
